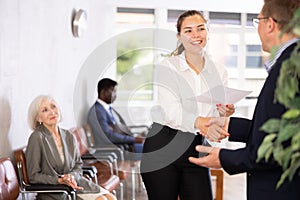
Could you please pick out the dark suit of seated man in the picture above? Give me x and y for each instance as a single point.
(107, 125)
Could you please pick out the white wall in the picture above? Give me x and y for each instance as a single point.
(39, 55)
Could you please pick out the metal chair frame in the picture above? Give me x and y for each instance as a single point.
(26, 187)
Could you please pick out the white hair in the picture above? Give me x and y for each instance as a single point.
(33, 110)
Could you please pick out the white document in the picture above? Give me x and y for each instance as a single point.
(223, 95)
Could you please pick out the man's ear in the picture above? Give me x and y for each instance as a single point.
(272, 25)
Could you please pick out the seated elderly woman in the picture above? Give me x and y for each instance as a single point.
(52, 154)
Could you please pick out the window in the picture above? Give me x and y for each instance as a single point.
(233, 42)
(225, 18)
(135, 60)
(174, 14)
(229, 43)
(135, 16)
(231, 58)
(249, 19)
(254, 59)
(134, 64)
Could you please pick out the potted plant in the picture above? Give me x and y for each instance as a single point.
(283, 140)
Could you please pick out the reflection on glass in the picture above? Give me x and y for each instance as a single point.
(135, 16)
(135, 66)
(231, 61)
(225, 18)
(251, 16)
(254, 61)
(173, 15)
(254, 48)
(233, 42)
(224, 48)
(254, 53)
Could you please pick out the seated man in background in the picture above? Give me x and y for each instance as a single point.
(107, 125)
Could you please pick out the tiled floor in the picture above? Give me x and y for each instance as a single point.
(140, 191)
(234, 188)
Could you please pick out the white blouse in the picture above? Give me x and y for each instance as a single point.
(178, 85)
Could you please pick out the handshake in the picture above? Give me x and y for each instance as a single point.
(215, 128)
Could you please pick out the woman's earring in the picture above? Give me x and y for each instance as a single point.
(41, 123)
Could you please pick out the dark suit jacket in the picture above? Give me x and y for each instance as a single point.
(261, 177)
(104, 131)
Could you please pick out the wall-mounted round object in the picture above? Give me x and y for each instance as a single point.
(79, 23)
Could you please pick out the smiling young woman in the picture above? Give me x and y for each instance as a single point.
(173, 136)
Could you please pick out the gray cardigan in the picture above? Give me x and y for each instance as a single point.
(44, 164)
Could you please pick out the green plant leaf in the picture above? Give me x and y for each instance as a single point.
(295, 58)
(295, 144)
(286, 159)
(287, 132)
(297, 14)
(284, 175)
(294, 166)
(291, 114)
(295, 103)
(273, 52)
(286, 87)
(271, 126)
(296, 155)
(265, 146)
(268, 154)
(291, 87)
(278, 153)
(296, 30)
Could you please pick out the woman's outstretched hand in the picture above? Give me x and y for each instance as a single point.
(225, 110)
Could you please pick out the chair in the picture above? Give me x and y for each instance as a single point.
(122, 168)
(218, 176)
(103, 162)
(27, 187)
(125, 167)
(9, 186)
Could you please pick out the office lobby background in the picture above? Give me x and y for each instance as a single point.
(40, 55)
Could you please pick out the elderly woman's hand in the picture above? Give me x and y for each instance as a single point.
(68, 179)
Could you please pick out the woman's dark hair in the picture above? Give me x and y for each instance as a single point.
(181, 18)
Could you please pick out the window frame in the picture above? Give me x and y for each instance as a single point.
(240, 74)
